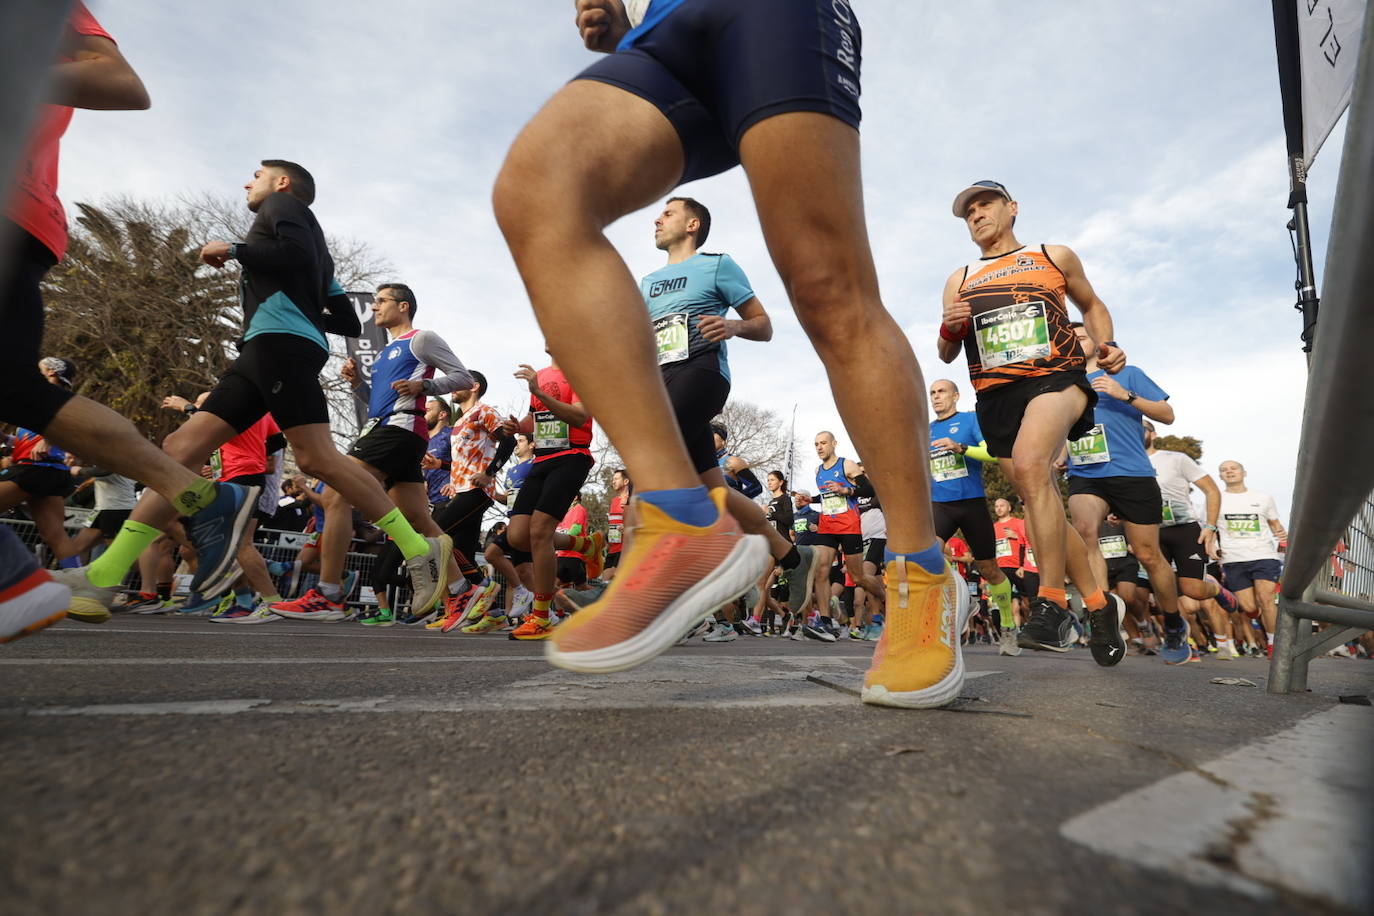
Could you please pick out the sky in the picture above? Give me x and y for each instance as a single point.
(1148, 138)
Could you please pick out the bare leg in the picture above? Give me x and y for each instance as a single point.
(1269, 610)
(1144, 540)
(820, 566)
(254, 566)
(49, 518)
(854, 563)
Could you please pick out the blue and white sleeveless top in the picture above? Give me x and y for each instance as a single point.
(389, 407)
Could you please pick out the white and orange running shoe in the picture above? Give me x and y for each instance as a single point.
(917, 663)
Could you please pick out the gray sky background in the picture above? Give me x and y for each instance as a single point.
(1147, 136)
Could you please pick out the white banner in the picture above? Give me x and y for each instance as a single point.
(1329, 44)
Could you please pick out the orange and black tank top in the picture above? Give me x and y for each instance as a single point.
(1020, 326)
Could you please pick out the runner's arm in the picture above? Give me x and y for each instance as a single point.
(573, 414)
(505, 446)
(753, 324)
(340, 317)
(97, 78)
(1096, 319)
(290, 247)
(432, 350)
(954, 321)
(979, 452)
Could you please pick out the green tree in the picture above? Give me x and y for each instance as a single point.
(1188, 445)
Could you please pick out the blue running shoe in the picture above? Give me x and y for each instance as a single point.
(1175, 650)
(350, 579)
(216, 531)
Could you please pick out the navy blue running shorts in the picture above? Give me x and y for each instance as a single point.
(715, 68)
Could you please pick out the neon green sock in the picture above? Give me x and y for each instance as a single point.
(1001, 596)
(273, 599)
(114, 564)
(406, 537)
(195, 497)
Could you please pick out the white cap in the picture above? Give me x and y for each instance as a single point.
(978, 187)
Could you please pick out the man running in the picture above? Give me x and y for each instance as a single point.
(290, 301)
(694, 88)
(89, 73)
(1007, 312)
(1109, 472)
(389, 451)
(1249, 525)
(1011, 550)
(840, 531)
(438, 458)
(615, 521)
(959, 501)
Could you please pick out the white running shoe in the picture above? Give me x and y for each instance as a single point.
(723, 632)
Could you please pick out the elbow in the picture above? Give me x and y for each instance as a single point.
(1166, 416)
(766, 332)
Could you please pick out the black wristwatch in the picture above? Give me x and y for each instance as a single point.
(190, 409)
(1131, 396)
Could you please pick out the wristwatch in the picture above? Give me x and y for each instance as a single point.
(1131, 396)
(190, 409)
(1209, 527)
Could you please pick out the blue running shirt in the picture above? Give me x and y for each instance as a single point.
(679, 294)
(954, 475)
(1115, 447)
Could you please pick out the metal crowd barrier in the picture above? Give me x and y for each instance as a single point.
(1333, 499)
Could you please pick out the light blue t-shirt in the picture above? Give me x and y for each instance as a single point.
(954, 475)
(1115, 447)
(679, 294)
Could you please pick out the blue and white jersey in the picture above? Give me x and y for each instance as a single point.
(678, 295)
(954, 475)
(643, 16)
(1115, 446)
(412, 357)
(515, 479)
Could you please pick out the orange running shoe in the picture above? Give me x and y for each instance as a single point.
(671, 577)
(595, 557)
(917, 663)
(456, 609)
(534, 627)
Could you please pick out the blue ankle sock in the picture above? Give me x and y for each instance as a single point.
(690, 506)
(932, 559)
(243, 599)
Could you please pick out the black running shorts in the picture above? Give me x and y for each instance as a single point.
(847, 544)
(552, 485)
(27, 399)
(1122, 570)
(715, 68)
(1133, 499)
(1179, 545)
(38, 479)
(1001, 409)
(971, 517)
(394, 451)
(874, 549)
(698, 393)
(571, 570)
(276, 373)
(1028, 584)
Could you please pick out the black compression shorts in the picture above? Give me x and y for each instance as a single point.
(971, 517)
(1179, 545)
(698, 393)
(847, 544)
(276, 373)
(1001, 409)
(38, 479)
(28, 400)
(394, 451)
(715, 68)
(552, 485)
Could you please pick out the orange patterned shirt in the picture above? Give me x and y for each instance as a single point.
(474, 438)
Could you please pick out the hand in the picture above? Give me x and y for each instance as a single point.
(957, 315)
(944, 445)
(1061, 464)
(510, 426)
(215, 253)
(349, 371)
(734, 464)
(715, 328)
(1110, 387)
(1111, 359)
(430, 463)
(1020, 573)
(409, 386)
(207, 472)
(449, 490)
(41, 449)
(481, 481)
(527, 375)
(175, 402)
(1208, 539)
(601, 23)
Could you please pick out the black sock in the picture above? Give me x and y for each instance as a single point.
(791, 560)
(1173, 621)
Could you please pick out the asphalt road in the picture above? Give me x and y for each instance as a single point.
(178, 766)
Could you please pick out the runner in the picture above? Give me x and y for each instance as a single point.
(114, 500)
(805, 533)
(1028, 371)
(1011, 550)
(777, 88)
(1109, 471)
(840, 531)
(290, 301)
(615, 529)
(39, 479)
(959, 501)
(689, 301)
(438, 458)
(562, 430)
(570, 569)
(1187, 544)
(512, 565)
(1249, 525)
(90, 72)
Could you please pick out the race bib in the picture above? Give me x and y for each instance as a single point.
(1243, 525)
(1113, 547)
(510, 497)
(670, 338)
(1012, 334)
(948, 465)
(613, 534)
(1091, 449)
(1003, 548)
(550, 433)
(90, 519)
(834, 504)
(1030, 557)
(800, 525)
(371, 425)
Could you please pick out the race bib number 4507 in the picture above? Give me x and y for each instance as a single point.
(1012, 334)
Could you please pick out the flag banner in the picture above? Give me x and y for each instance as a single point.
(1329, 48)
(363, 351)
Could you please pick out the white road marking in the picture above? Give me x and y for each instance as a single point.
(1281, 812)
